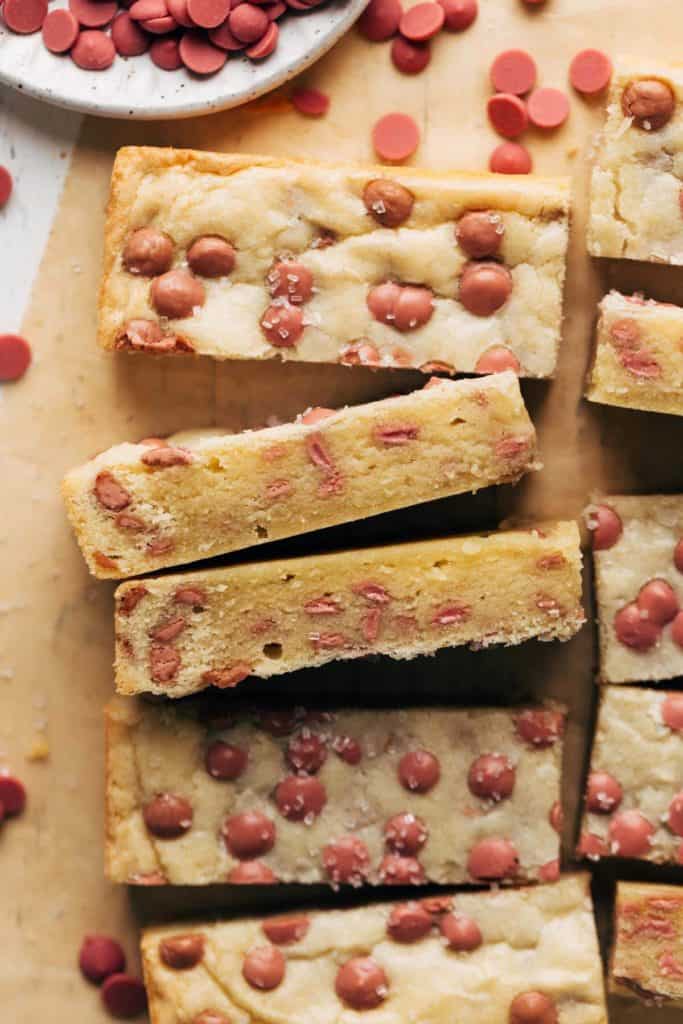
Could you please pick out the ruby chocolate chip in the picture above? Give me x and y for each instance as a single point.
(181, 952)
(388, 202)
(163, 458)
(404, 307)
(633, 628)
(493, 858)
(148, 252)
(164, 662)
(224, 761)
(491, 777)
(606, 527)
(264, 968)
(409, 922)
(12, 795)
(461, 933)
(211, 256)
(603, 793)
(283, 931)
(123, 996)
(109, 492)
(361, 983)
(405, 833)
(484, 288)
(168, 816)
(532, 1008)
(291, 280)
(348, 749)
(347, 860)
(249, 834)
(649, 102)
(177, 294)
(282, 324)
(480, 233)
(397, 870)
(539, 728)
(630, 834)
(419, 771)
(251, 872)
(211, 1017)
(99, 957)
(672, 712)
(306, 753)
(658, 602)
(300, 798)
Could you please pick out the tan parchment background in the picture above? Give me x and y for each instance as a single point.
(55, 623)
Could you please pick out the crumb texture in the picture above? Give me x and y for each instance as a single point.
(531, 940)
(140, 507)
(322, 218)
(180, 633)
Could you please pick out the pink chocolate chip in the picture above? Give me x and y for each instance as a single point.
(634, 629)
(606, 527)
(207, 13)
(93, 51)
(658, 602)
(24, 16)
(93, 13)
(380, 20)
(493, 858)
(199, 55)
(603, 793)
(60, 30)
(99, 957)
(672, 711)
(630, 834)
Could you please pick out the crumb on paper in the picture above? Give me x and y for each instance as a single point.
(39, 750)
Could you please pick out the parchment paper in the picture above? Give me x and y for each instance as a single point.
(56, 623)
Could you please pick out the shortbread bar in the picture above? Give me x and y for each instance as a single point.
(647, 955)
(634, 795)
(636, 207)
(195, 796)
(638, 556)
(176, 634)
(638, 359)
(253, 257)
(524, 956)
(140, 507)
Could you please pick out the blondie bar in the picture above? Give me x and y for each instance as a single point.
(528, 956)
(638, 359)
(647, 954)
(636, 211)
(140, 507)
(254, 257)
(634, 800)
(638, 557)
(198, 794)
(176, 634)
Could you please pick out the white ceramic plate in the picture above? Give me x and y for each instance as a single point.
(136, 88)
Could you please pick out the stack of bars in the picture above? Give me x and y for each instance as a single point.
(633, 806)
(441, 273)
